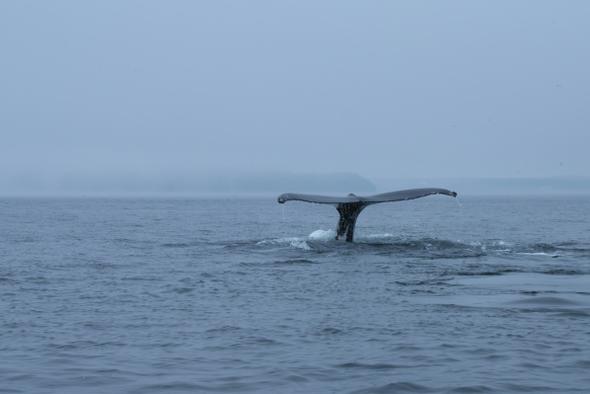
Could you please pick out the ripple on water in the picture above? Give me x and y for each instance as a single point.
(399, 387)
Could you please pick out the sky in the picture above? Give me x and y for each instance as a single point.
(385, 89)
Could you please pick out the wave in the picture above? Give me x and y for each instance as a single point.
(323, 241)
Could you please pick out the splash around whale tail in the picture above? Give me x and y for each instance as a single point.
(351, 206)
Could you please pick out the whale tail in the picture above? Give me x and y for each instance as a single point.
(351, 206)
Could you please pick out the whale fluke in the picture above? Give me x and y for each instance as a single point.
(351, 206)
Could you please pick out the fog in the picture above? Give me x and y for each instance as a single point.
(383, 89)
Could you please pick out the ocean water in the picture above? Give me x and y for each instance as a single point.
(243, 295)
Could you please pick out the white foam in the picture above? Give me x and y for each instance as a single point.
(301, 245)
(539, 254)
(289, 240)
(322, 235)
(329, 235)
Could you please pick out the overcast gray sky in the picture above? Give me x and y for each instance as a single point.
(382, 88)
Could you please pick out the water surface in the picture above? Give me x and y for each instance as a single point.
(160, 295)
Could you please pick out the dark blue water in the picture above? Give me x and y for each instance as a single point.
(140, 295)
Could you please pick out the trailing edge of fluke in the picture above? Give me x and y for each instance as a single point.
(350, 207)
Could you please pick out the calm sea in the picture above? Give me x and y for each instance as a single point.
(243, 295)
